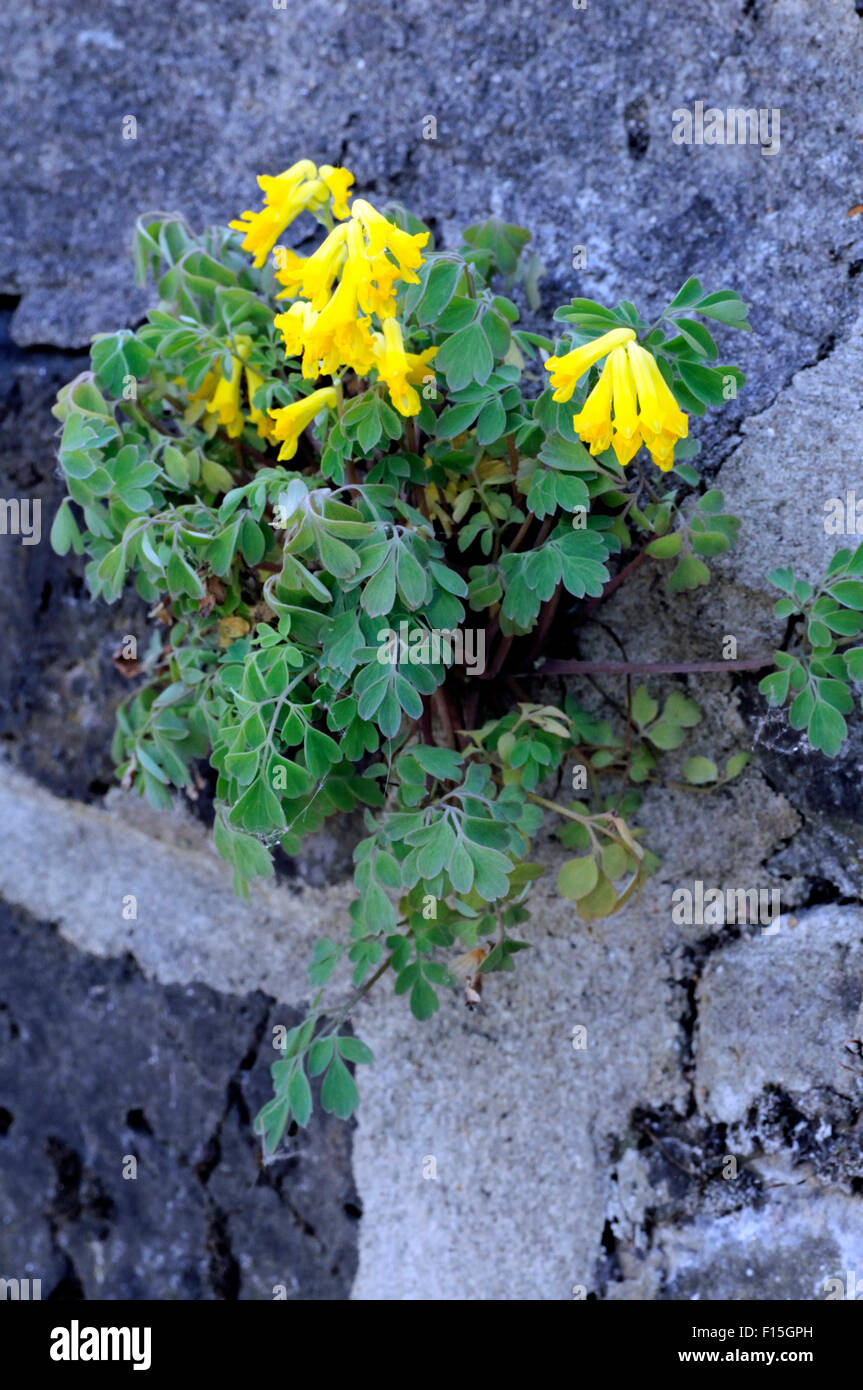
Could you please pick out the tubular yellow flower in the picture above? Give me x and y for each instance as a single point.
(593, 423)
(349, 281)
(658, 410)
(418, 365)
(393, 367)
(338, 337)
(291, 420)
(630, 405)
(567, 371)
(265, 427)
(385, 235)
(225, 400)
(287, 195)
(313, 276)
(661, 447)
(295, 325)
(338, 182)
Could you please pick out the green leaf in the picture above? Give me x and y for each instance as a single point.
(116, 357)
(354, 1050)
(644, 708)
(680, 709)
(827, 729)
(775, 687)
(465, 357)
(112, 570)
(666, 736)
(726, 307)
(492, 422)
(854, 662)
(601, 902)
(379, 594)
(801, 709)
(440, 288)
(689, 574)
(215, 477)
(424, 1001)
(339, 1094)
(700, 771)
(735, 765)
(182, 579)
(300, 1097)
(704, 383)
(849, 592)
(258, 809)
(578, 877)
(664, 547)
(697, 336)
(64, 532)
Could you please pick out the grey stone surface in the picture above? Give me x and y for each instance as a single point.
(796, 456)
(789, 1249)
(778, 1010)
(518, 1121)
(99, 1066)
(188, 925)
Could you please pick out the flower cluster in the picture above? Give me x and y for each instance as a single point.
(340, 290)
(343, 310)
(630, 405)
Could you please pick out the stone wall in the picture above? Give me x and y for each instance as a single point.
(602, 1170)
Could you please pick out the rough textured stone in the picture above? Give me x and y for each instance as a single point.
(98, 1066)
(517, 1120)
(796, 456)
(779, 1009)
(789, 1249)
(188, 923)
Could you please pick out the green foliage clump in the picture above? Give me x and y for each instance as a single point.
(282, 582)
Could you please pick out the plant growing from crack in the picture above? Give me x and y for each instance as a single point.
(315, 467)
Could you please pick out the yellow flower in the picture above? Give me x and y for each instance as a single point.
(313, 276)
(661, 420)
(265, 427)
(287, 195)
(400, 369)
(418, 365)
(222, 394)
(344, 285)
(338, 181)
(225, 400)
(384, 235)
(593, 424)
(339, 336)
(295, 325)
(631, 405)
(291, 420)
(567, 371)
